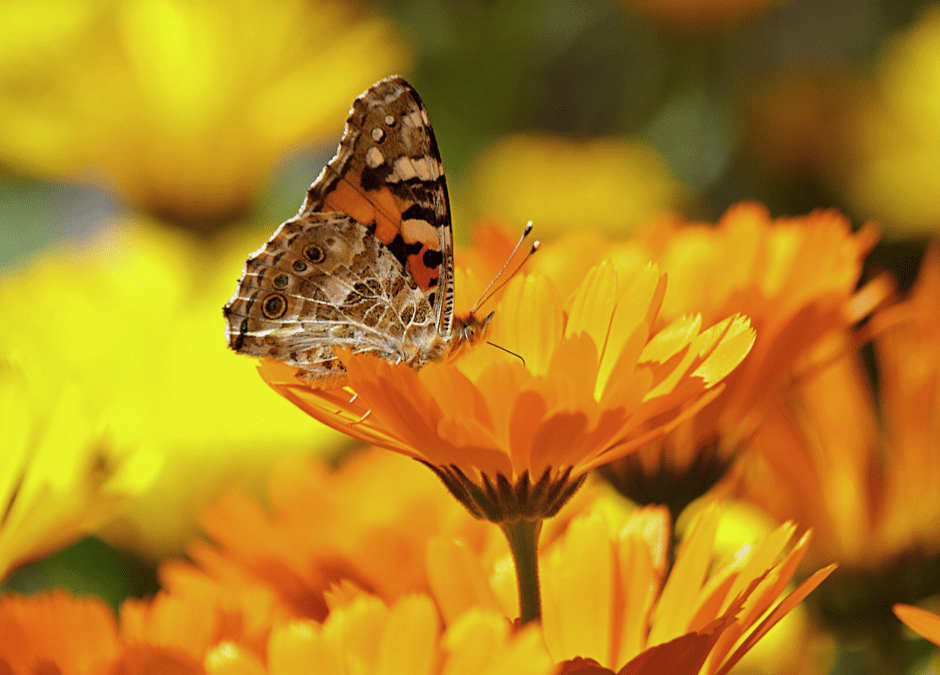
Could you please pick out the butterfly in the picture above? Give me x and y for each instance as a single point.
(367, 264)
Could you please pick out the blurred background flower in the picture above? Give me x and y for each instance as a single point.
(183, 109)
(132, 322)
(66, 467)
(508, 182)
(278, 591)
(864, 471)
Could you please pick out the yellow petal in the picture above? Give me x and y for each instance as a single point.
(457, 579)
(676, 604)
(577, 593)
(299, 645)
(734, 346)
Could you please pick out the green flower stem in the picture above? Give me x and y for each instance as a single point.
(523, 538)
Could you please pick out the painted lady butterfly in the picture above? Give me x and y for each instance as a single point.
(367, 263)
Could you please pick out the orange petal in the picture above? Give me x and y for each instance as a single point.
(636, 310)
(682, 656)
(920, 621)
(780, 611)
(76, 634)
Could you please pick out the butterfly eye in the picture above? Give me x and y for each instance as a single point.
(378, 134)
(314, 254)
(299, 266)
(274, 306)
(281, 281)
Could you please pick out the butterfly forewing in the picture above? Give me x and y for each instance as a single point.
(388, 175)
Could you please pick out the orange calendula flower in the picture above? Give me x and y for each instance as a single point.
(57, 630)
(376, 515)
(513, 431)
(831, 466)
(864, 471)
(794, 278)
(77, 635)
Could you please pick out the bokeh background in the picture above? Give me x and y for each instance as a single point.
(147, 146)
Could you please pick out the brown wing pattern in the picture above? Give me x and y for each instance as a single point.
(388, 175)
(321, 282)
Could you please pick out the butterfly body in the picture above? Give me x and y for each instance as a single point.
(367, 263)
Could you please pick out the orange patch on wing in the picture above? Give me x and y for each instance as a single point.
(421, 273)
(380, 206)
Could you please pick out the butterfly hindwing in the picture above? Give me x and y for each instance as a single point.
(323, 281)
(388, 175)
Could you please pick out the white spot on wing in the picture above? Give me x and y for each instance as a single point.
(374, 157)
(404, 170)
(423, 168)
(417, 229)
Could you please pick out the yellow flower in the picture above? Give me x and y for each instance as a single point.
(516, 180)
(895, 136)
(132, 323)
(76, 635)
(610, 600)
(405, 637)
(513, 431)
(794, 278)
(64, 470)
(182, 107)
(283, 591)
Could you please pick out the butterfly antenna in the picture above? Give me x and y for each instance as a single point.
(508, 351)
(489, 291)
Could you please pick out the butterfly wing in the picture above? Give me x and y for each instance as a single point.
(388, 175)
(323, 281)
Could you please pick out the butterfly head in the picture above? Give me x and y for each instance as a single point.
(471, 329)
